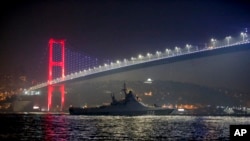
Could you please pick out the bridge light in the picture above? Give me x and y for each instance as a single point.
(213, 41)
(188, 47)
(177, 49)
(140, 56)
(158, 53)
(133, 59)
(148, 81)
(168, 51)
(118, 62)
(228, 39)
(243, 36)
(149, 55)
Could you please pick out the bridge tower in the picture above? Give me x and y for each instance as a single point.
(59, 63)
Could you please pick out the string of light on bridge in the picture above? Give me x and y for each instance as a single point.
(80, 65)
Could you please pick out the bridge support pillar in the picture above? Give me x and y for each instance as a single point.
(56, 62)
(51, 89)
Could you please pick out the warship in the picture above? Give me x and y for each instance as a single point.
(131, 105)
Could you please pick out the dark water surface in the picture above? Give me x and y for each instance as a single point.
(67, 127)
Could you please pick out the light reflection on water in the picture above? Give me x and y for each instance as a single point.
(68, 127)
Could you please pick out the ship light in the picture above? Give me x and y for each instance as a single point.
(164, 106)
(148, 94)
(85, 106)
(36, 107)
(149, 81)
(181, 110)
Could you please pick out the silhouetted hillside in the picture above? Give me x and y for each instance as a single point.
(163, 92)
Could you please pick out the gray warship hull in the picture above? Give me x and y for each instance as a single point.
(100, 111)
(131, 105)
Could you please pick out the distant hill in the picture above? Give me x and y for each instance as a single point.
(163, 92)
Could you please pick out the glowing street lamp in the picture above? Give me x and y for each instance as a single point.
(158, 53)
(149, 55)
(228, 39)
(168, 51)
(188, 47)
(118, 62)
(133, 59)
(111, 64)
(213, 41)
(243, 35)
(90, 69)
(125, 61)
(177, 49)
(140, 56)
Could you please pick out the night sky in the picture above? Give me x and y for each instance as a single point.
(111, 29)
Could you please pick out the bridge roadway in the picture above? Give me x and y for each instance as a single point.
(149, 60)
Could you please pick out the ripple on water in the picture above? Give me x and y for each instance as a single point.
(68, 127)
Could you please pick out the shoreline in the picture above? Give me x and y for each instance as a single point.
(67, 113)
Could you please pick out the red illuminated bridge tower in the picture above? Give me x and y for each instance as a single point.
(56, 61)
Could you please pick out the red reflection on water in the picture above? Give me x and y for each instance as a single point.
(55, 127)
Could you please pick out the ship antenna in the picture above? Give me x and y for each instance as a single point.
(124, 88)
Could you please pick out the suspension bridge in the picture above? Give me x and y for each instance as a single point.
(85, 67)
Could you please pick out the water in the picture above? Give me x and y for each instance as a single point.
(68, 127)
